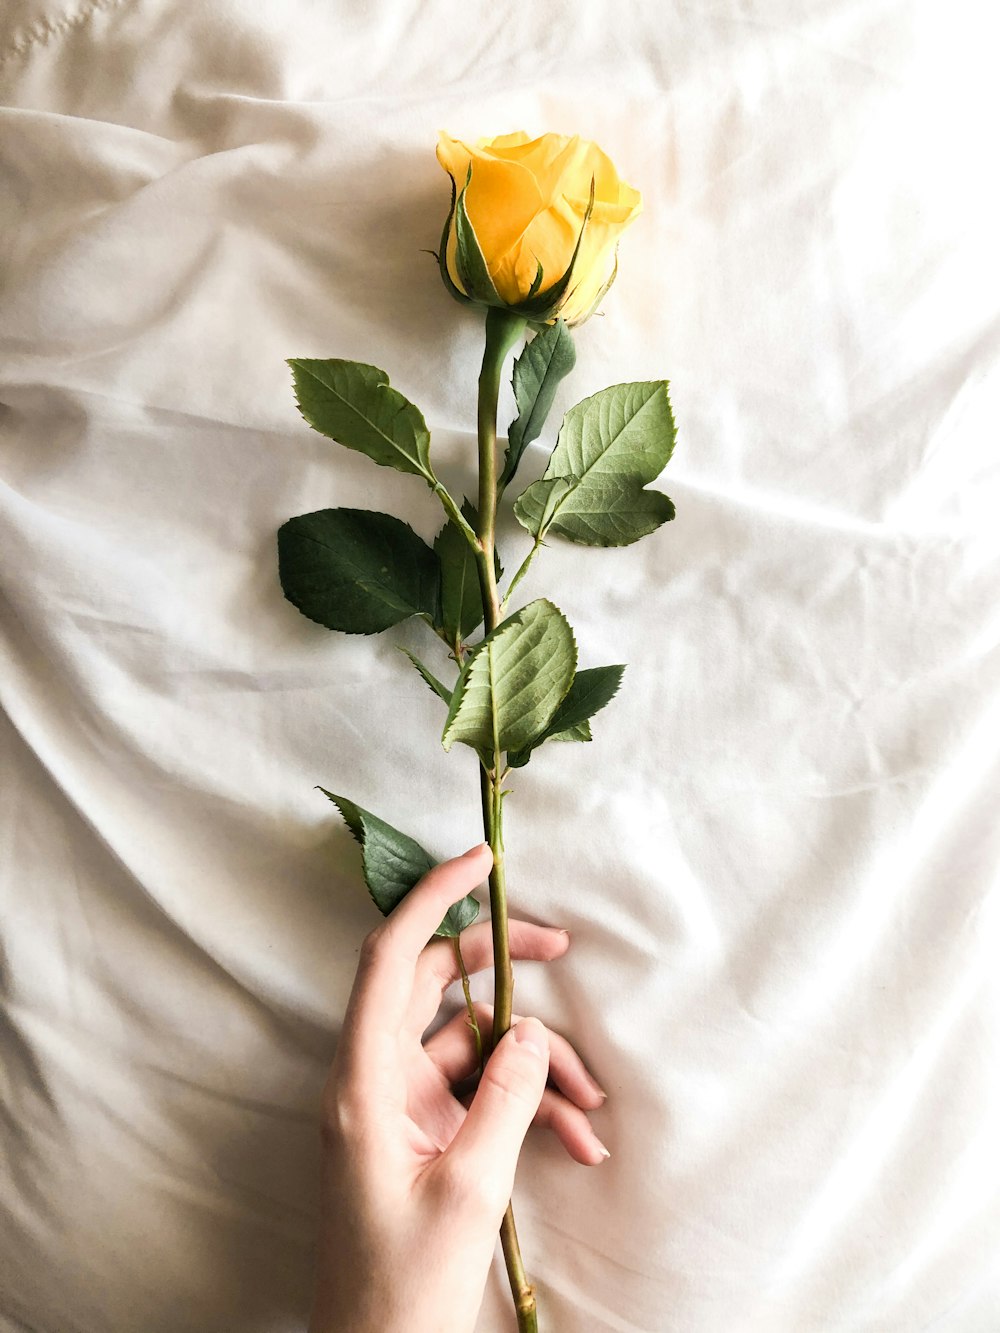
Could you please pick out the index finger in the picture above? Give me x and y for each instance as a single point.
(384, 985)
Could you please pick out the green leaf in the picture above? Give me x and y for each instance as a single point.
(442, 691)
(605, 513)
(355, 405)
(392, 863)
(610, 446)
(546, 360)
(513, 682)
(357, 570)
(579, 732)
(461, 598)
(592, 689)
(461, 601)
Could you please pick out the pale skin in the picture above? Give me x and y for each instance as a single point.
(416, 1181)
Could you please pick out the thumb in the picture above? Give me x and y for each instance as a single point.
(488, 1142)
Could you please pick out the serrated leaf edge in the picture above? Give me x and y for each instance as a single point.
(458, 694)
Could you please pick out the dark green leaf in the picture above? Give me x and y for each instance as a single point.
(461, 600)
(357, 570)
(354, 404)
(393, 863)
(609, 447)
(592, 689)
(513, 682)
(545, 361)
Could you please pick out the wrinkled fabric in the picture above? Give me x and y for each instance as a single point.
(778, 856)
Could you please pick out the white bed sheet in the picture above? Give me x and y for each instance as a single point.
(778, 857)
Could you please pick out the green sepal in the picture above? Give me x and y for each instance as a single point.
(536, 281)
(353, 403)
(469, 260)
(442, 255)
(593, 688)
(392, 863)
(538, 371)
(357, 570)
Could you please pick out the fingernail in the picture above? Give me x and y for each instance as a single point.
(478, 850)
(601, 1148)
(530, 1034)
(562, 931)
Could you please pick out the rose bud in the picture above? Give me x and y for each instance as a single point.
(534, 224)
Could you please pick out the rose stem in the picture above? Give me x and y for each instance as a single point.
(502, 331)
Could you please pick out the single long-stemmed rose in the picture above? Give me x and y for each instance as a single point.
(531, 236)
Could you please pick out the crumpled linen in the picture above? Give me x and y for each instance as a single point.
(778, 856)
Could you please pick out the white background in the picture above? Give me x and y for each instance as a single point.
(777, 858)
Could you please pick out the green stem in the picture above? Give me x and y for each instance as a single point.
(502, 331)
(503, 973)
(524, 1292)
(454, 513)
(525, 565)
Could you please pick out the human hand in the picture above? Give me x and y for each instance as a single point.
(415, 1185)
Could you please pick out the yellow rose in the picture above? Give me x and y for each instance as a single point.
(546, 213)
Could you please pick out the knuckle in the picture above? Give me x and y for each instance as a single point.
(516, 1084)
(371, 946)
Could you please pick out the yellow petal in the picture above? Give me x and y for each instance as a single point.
(527, 201)
(503, 141)
(501, 200)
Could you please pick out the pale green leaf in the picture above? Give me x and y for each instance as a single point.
(513, 682)
(610, 446)
(354, 404)
(579, 732)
